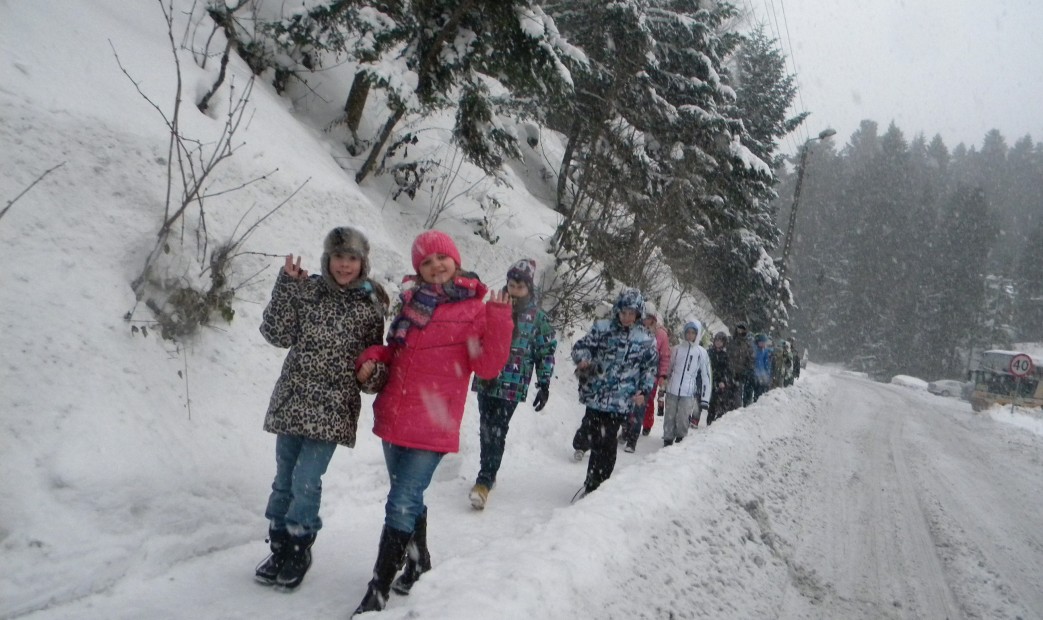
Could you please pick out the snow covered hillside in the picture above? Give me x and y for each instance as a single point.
(135, 471)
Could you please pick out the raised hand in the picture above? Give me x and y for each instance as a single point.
(293, 269)
(499, 297)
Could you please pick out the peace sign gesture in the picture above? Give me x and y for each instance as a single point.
(293, 269)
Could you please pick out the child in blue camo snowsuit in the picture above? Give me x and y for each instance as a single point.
(619, 358)
(532, 348)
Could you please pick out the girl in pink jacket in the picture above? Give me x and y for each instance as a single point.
(442, 334)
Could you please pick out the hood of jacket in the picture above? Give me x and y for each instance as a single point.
(697, 326)
(629, 299)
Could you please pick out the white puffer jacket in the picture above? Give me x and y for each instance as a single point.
(690, 368)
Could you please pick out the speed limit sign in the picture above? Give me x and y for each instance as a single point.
(1021, 365)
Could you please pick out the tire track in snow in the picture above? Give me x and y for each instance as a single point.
(860, 521)
(981, 491)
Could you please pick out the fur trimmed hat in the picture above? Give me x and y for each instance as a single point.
(433, 242)
(523, 271)
(349, 241)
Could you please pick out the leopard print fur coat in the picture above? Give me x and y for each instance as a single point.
(325, 329)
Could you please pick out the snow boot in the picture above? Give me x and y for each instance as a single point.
(389, 557)
(578, 455)
(298, 561)
(479, 495)
(418, 558)
(268, 570)
(668, 442)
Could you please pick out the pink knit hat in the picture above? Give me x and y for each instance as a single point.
(433, 242)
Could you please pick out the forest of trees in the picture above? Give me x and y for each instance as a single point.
(670, 118)
(670, 114)
(908, 256)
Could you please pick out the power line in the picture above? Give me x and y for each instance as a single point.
(776, 28)
(776, 33)
(793, 59)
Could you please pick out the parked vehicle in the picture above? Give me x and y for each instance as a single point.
(947, 387)
(909, 382)
(995, 385)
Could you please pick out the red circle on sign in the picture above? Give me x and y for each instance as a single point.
(1020, 365)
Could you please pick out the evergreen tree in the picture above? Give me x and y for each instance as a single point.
(764, 93)
(967, 235)
(1028, 280)
(657, 141)
(882, 268)
(711, 189)
(926, 319)
(456, 49)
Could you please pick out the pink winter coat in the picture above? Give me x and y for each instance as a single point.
(662, 345)
(422, 403)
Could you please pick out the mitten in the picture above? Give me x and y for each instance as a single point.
(541, 398)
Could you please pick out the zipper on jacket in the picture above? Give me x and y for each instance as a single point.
(687, 367)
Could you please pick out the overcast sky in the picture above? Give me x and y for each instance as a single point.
(952, 67)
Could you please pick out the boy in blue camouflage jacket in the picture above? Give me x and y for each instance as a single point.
(619, 360)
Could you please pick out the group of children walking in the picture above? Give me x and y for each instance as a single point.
(443, 331)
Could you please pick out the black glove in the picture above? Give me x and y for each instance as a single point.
(541, 398)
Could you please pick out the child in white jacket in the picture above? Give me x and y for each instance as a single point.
(688, 386)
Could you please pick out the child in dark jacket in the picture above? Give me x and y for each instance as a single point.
(723, 395)
(326, 321)
(532, 348)
(442, 334)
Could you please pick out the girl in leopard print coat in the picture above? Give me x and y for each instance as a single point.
(325, 321)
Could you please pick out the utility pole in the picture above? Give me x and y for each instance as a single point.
(788, 243)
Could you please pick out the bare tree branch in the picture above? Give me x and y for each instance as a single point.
(24, 191)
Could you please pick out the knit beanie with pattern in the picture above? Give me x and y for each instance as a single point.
(433, 242)
(523, 271)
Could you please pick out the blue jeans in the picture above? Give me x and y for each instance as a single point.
(410, 470)
(495, 417)
(297, 489)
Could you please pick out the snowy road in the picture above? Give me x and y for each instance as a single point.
(837, 498)
(920, 510)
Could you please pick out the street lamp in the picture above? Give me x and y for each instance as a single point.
(804, 150)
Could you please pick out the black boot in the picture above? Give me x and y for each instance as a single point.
(418, 559)
(389, 557)
(268, 570)
(298, 561)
